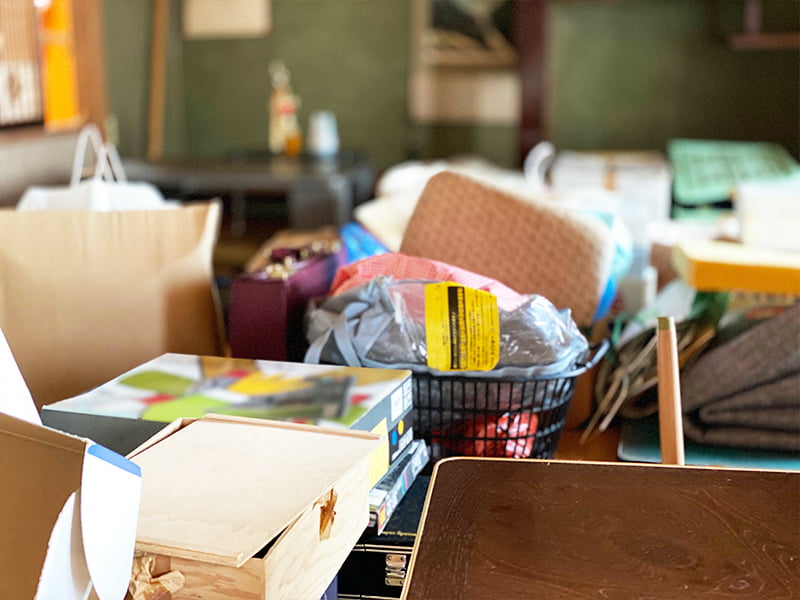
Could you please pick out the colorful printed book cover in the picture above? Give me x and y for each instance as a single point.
(180, 385)
(126, 411)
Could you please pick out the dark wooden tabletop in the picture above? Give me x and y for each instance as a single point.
(535, 529)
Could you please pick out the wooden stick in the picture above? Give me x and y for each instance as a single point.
(670, 417)
(158, 79)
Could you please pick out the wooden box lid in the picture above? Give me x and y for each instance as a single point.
(218, 489)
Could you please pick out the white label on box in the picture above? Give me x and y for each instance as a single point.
(407, 395)
(404, 441)
(397, 404)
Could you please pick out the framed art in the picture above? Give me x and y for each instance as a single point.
(20, 86)
(463, 64)
(465, 32)
(204, 19)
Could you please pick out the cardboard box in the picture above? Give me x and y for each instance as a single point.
(637, 185)
(249, 508)
(132, 407)
(69, 506)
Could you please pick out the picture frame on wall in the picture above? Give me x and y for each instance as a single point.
(466, 33)
(20, 81)
(210, 19)
(464, 67)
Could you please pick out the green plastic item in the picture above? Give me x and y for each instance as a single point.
(706, 172)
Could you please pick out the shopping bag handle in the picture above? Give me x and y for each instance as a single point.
(341, 331)
(108, 165)
(89, 133)
(108, 157)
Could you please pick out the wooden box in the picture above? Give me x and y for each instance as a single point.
(248, 508)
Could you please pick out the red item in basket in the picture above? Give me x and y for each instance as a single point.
(402, 266)
(505, 436)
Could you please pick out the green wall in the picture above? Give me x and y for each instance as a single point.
(348, 56)
(631, 74)
(344, 55)
(127, 27)
(620, 74)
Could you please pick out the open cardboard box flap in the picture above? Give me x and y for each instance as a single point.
(69, 506)
(224, 509)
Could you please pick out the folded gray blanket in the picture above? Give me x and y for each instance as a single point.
(746, 391)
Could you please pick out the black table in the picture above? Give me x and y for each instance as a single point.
(318, 191)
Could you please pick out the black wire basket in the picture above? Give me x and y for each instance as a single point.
(483, 416)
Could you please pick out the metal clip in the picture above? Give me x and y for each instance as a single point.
(396, 561)
(395, 580)
(395, 571)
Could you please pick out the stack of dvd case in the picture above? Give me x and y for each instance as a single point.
(376, 568)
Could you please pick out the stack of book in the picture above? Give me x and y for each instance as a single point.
(377, 566)
(390, 490)
(126, 411)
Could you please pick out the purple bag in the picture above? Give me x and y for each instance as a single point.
(267, 307)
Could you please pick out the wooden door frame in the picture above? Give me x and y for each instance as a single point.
(530, 26)
(91, 60)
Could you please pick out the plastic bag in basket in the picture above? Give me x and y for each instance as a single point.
(509, 436)
(383, 324)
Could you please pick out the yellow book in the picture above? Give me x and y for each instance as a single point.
(710, 265)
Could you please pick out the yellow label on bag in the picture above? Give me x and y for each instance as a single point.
(462, 328)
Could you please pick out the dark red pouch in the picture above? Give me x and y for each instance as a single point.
(267, 307)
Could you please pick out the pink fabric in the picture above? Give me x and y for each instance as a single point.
(403, 266)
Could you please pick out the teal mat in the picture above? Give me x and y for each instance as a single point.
(639, 443)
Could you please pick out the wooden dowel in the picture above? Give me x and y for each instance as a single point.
(158, 79)
(670, 417)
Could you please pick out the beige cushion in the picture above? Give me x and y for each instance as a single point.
(531, 246)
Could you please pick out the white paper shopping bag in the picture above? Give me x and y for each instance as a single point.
(107, 189)
(87, 295)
